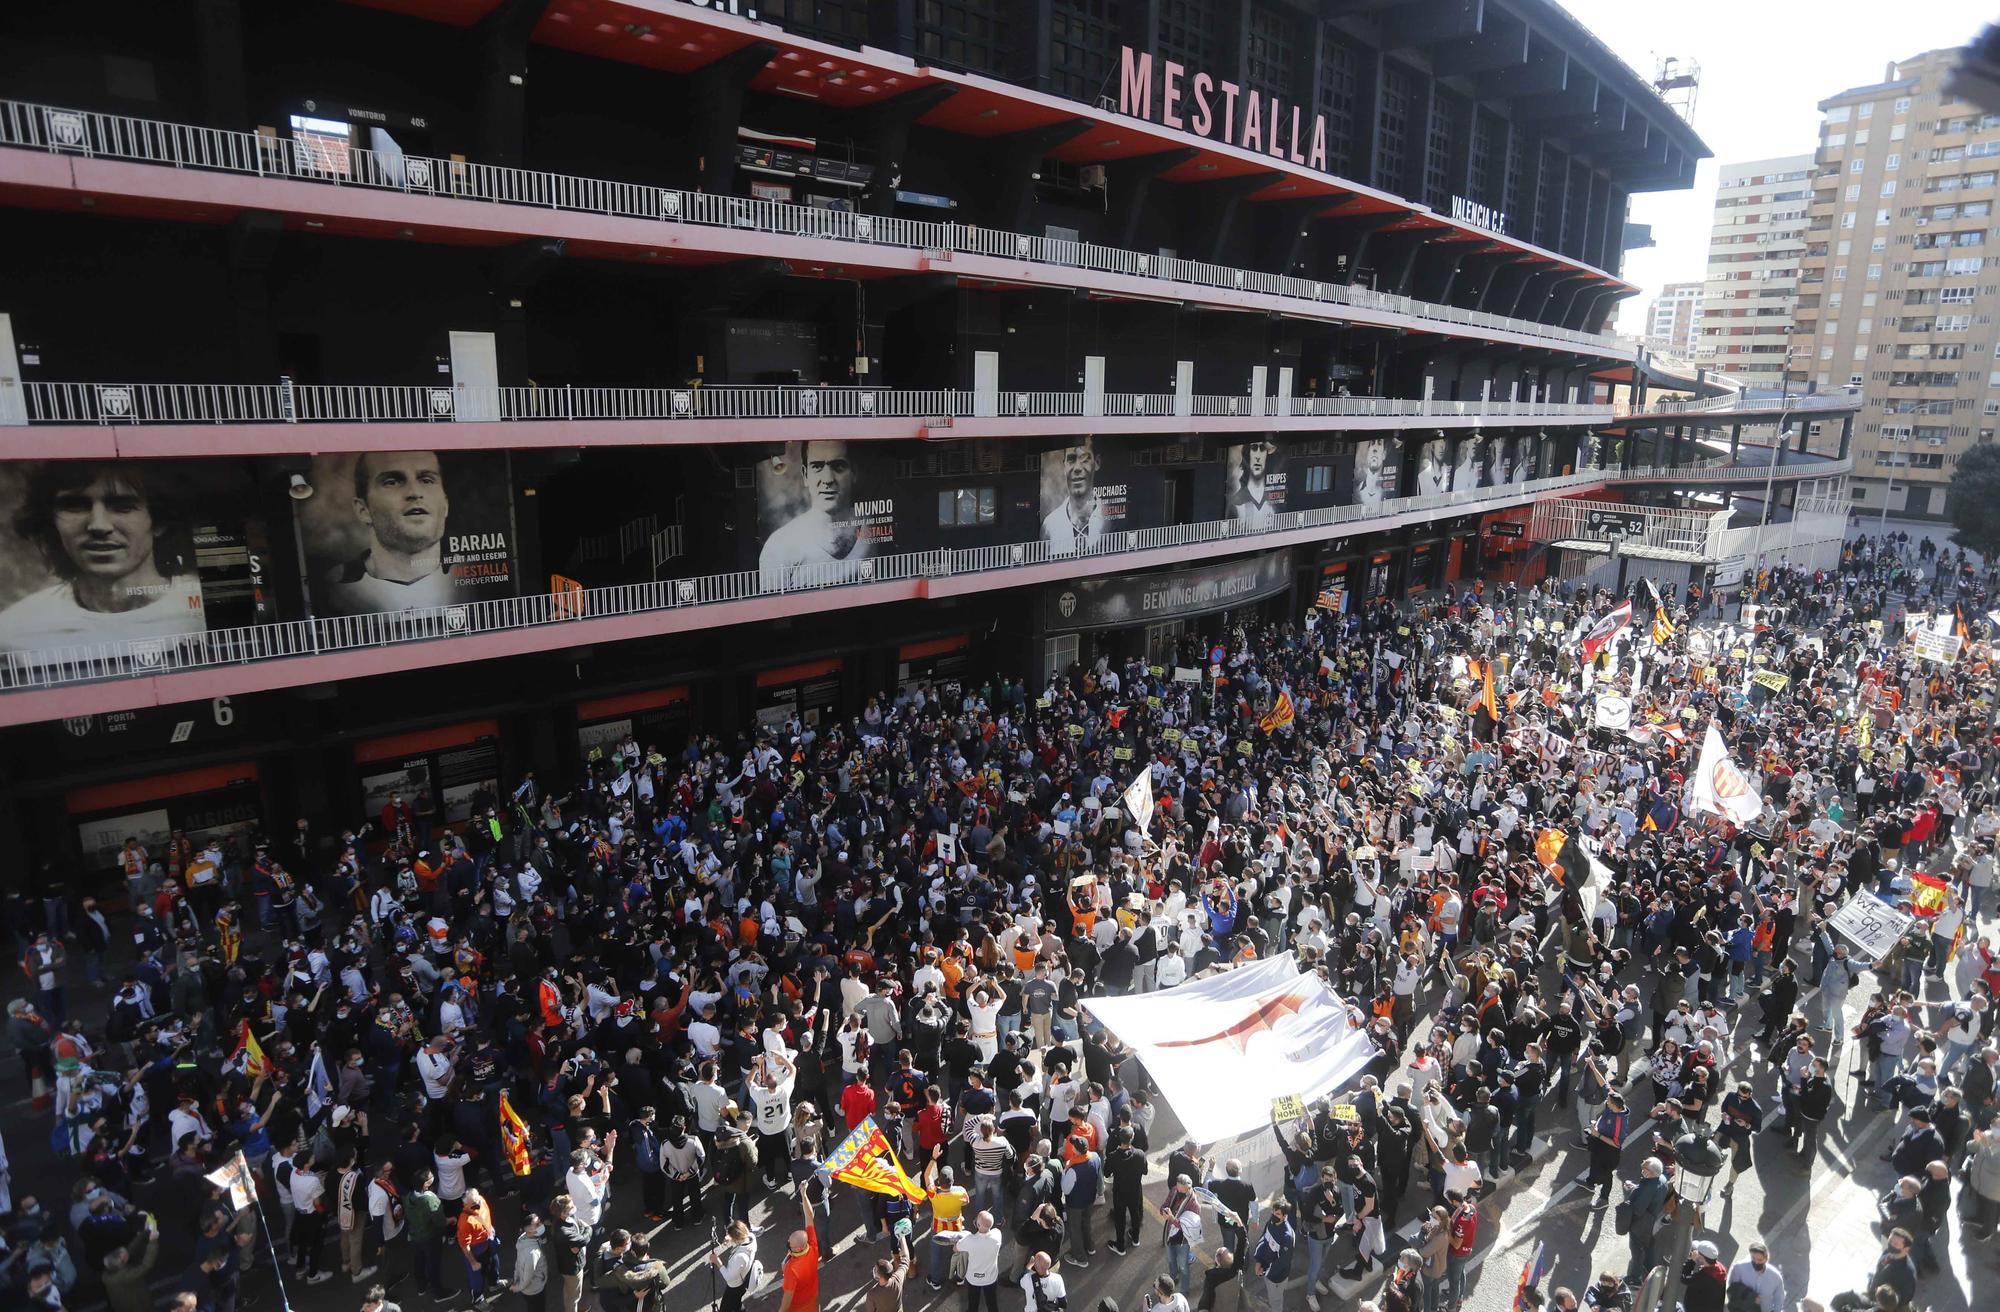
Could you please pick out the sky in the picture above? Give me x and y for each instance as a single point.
(1765, 65)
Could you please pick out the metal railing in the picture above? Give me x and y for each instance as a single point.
(1736, 402)
(288, 403)
(152, 141)
(58, 667)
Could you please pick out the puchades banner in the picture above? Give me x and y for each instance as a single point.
(1223, 1046)
(392, 531)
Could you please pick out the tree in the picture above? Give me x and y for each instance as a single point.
(1975, 501)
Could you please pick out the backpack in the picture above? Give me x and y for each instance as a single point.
(729, 1164)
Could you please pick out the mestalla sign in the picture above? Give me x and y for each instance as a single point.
(1216, 108)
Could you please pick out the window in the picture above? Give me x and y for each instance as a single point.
(1874, 272)
(1861, 137)
(1896, 132)
(966, 507)
(1843, 247)
(1319, 478)
(1847, 219)
(1838, 114)
(1902, 104)
(1893, 163)
(1865, 326)
(1854, 191)
(1857, 165)
(1868, 110)
(1879, 244)
(1881, 216)
(1888, 188)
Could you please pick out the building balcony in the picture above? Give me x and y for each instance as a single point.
(151, 168)
(158, 420)
(101, 677)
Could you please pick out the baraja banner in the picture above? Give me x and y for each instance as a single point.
(1145, 598)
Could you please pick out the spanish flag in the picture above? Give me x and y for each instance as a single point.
(513, 1137)
(865, 1160)
(1280, 714)
(249, 1054)
(1928, 894)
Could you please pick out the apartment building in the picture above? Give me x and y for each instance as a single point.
(1673, 320)
(1750, 291)
(1899, 286)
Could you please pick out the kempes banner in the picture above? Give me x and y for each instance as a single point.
(97, 551)
(1256, 483)
(1145, 598)
(391, 531)
(823, 509)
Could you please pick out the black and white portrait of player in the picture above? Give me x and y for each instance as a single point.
(390, 531)
(1374, 481)
(104, 553)
(1077, 520)
(1526, 449)
(401, 501)
(1434, 467)
(1256, 485)
(812, 505)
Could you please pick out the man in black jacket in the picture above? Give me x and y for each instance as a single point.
(1895, 1268)
(1125, 1169)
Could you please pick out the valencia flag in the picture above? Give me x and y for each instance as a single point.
(1280, 714)
(513, 1137)
(865, 1160)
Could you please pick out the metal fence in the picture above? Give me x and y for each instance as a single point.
(180, 145)
(139, 657)
(287, 403)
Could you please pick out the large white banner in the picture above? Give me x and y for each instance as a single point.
(1222, 1047)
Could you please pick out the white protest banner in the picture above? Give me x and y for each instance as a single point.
(1870, 924)
(1261, 1026)
(1934, 646)
(947, 846)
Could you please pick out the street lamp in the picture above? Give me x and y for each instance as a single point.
(1697, 1164)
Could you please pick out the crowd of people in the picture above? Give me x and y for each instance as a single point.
(701, 964)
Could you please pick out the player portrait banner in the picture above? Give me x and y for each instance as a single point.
(395, 531)
(1256, 484)
(112, 551)
(824, 511)
(1374, 474)
(1434, 467)
(865, 1160)
(1086, 493)
(1213, 1044)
